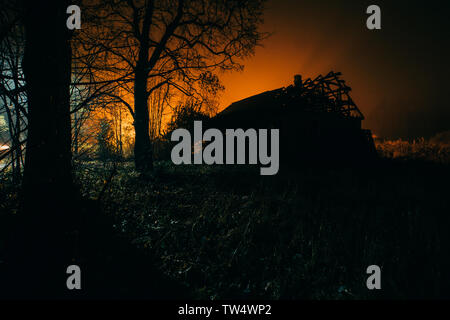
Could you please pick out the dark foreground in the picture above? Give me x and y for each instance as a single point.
(221, 233)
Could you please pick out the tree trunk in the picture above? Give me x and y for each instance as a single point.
(47, 69)
(143, 156)
(49, 198)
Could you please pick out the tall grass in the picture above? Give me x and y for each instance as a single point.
(417, 149)
(309, 234)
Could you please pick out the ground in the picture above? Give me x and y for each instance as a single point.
(307, 233)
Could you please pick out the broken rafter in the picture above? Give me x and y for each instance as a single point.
(327, 94)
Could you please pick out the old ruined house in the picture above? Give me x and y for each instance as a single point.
(317, 118)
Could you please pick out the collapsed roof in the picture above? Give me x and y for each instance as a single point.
(325, 94)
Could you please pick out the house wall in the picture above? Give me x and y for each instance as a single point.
(304, 136)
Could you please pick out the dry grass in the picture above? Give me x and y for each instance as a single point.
(228, 232)
(418, 149)
(310, 234)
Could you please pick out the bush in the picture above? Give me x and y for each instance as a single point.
(183, 117)
(106, 149)
(420, 149)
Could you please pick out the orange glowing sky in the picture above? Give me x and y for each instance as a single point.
(392, 71)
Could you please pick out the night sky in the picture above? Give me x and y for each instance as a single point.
(399, 74)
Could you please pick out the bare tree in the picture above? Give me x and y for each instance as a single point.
(148, 44)
(13, 97)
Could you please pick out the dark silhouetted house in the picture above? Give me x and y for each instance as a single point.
(318, 120)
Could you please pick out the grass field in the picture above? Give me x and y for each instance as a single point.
(309, 233)
(228, 232)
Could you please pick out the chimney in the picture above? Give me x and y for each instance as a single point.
(298, 81)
